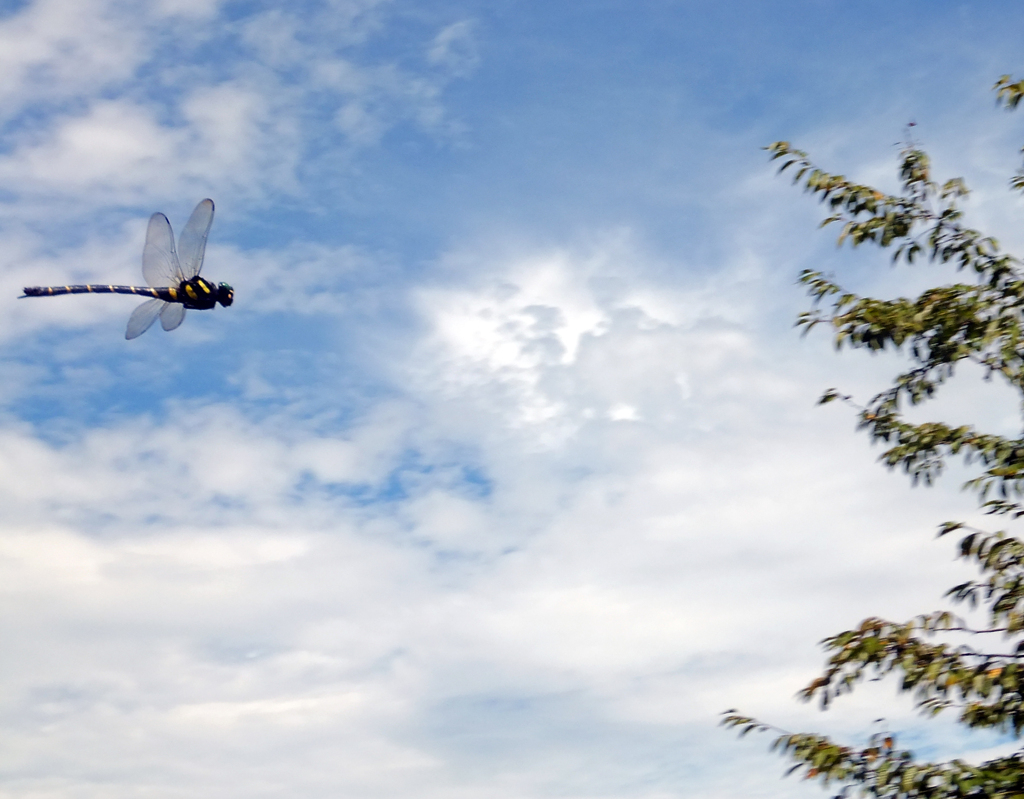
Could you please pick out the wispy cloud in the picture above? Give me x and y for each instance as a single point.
(137, 104)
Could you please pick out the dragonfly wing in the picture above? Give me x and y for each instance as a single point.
(142, 318)
(159, 261)
(172, 315)
(192, 243)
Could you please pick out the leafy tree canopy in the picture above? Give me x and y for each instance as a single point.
(979, 320)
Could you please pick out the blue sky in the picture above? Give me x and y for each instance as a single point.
(502, 478)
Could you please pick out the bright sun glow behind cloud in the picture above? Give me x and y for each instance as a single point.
(502, 477)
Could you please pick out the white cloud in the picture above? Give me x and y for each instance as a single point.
(52, 50)
(130, 105)
(119, 151)
(239, 587)
(115, 143)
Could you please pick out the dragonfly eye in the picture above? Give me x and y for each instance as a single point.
(225, 294)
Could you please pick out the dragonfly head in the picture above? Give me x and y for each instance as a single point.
(225, 294)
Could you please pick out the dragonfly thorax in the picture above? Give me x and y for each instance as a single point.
(201, 294)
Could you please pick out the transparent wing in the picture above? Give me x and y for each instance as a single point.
(142, 318)
(159, 261)
(192, 243)
(172, 315)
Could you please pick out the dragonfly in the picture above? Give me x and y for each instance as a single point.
(172, 276)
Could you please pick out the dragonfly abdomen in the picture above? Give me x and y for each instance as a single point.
(165, 294)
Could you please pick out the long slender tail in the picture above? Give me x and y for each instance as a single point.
(52, 291)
